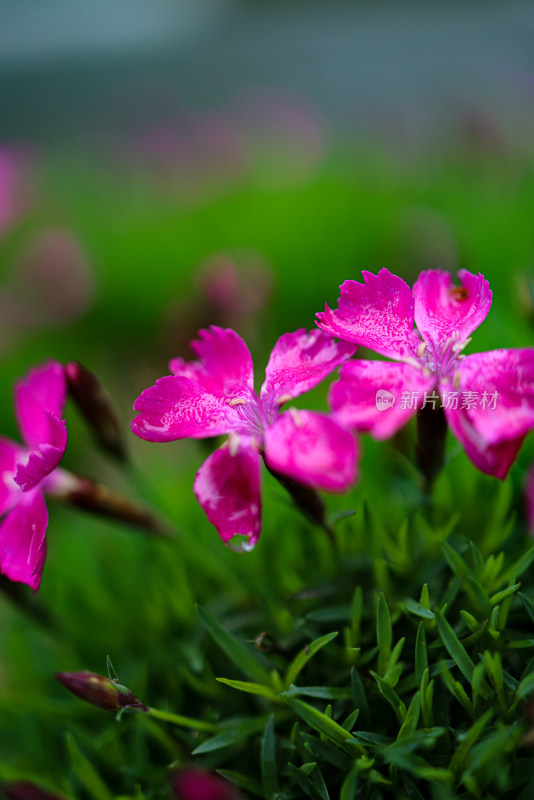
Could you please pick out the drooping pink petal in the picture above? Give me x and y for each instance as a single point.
(228, 487)
(443, 310)
(378, 314)
(312, 449)
(22, 540)
(9, 492)
(496, 390)
(177, 408)
(378, 397)
(42, 461)
(494, 459)
(299, 361)
(39, 399)
(224, 367)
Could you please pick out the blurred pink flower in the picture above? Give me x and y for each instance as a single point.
(14, 187)
(50, 282)
(192, 783)
(28, 472)
(215, 395)
(380, 314)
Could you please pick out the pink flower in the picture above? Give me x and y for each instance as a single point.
(487, 398)
(27, 472)
(214, 395)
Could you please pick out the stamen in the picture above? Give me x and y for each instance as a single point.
(237, 401)
(456, 379)
(285, 398)
(421, 349)
(296, 417)
(460, 345)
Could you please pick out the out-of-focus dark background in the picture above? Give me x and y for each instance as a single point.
(167, 164)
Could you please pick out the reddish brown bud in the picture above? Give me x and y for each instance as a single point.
(192, 783)
(100, 691)
(99, 499)
(96, 406)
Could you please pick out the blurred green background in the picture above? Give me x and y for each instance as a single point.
(167, 166)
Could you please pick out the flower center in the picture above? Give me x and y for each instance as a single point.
(250, 413)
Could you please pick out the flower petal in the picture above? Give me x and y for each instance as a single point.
(299, 361)
(9, 493)
(378, 397)
(443, 310)
(44, 459)
(227, 486)
(378, 314)
(500, 388)
(224, 367)
(312, 449)
(176, 408)
(23, 542)
(39, 400)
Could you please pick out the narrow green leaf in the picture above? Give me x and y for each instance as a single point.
(528, 604)
(411, 719)
(328, 752)
(321, 692)
(417, 608)
(240, 654)
(455, 560)
(425, 597)
(391, 696)
(526, 687)
(349, 786)
(269, 770)
(384, 634)
(472, 622)
(520, 566)
(351, 720)
(250, 688)
(302, 658)
(421, 657)
(356, 615)
(457, 651)
(86, 773)
(301, 776)
(323, 724)
(467, 741)
(243, 781)
(499, 596)
(360, 699)
(237, 730)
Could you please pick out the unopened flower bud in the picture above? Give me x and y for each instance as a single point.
(193, 783)
(96, 406)
(100, 691)
(24, 790)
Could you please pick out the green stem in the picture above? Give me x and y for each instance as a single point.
(183, 722)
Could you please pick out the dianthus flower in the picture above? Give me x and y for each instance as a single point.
(487, 398)
(26, 473)
(215, 395)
